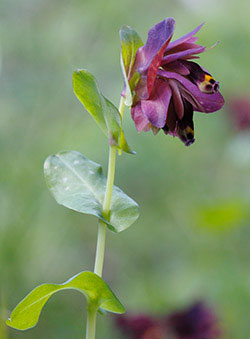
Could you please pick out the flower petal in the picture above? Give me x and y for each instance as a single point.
(207, 103)
(156, 107)
(181, 54)
(170, 127)
(148, 57)
(140, 119)
(178, 67)
(202, 78)
(185, 127)
(182, 47)
(177, 100)
(184, 38)
(189, 57)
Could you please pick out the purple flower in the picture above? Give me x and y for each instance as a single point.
(240, 113)
(140, 326)
(196, 322)
(171, 86)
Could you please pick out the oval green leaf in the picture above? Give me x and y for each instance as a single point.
(102, 110)
(79, 184)
(130, 42)
(97, 293)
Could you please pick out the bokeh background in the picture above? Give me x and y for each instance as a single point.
(191, 241)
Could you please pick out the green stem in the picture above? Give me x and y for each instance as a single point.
(91, 324)
(100, 248)
(110, 181)
(101, 237)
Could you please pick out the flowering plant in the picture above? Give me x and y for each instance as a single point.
(163, 88)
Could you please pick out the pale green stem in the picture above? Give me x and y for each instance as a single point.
(91, 324)
(121, 108)
(101, 237)
(100, 248)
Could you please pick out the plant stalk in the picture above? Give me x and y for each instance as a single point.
(102, 228)
(100, 248)
(91, 324)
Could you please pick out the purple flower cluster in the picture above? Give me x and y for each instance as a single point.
(171, 87)
(195, 322)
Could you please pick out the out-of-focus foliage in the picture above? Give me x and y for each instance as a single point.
(222, 215)
(171, 255)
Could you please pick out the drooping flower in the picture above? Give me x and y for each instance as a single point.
(171, 87)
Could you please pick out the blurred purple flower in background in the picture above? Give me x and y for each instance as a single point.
(240, 113)
(140, 326)
(171, 86)
(195, 322)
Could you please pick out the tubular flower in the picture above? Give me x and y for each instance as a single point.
(171, 87)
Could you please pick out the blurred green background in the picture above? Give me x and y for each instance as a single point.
(192, 239)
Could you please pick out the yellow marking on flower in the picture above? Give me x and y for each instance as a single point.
(188, 129)
(208, 77)
(186, 135)
(208, 84)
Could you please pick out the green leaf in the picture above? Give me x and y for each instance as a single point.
(102, 110)
(97, 292)
(130, 42)
(78, 183)
(123, 145)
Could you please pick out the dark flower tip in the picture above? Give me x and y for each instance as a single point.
(171, 86)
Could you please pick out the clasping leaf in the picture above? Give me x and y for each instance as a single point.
(102, 110)
(97, 293)
(79, 184)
